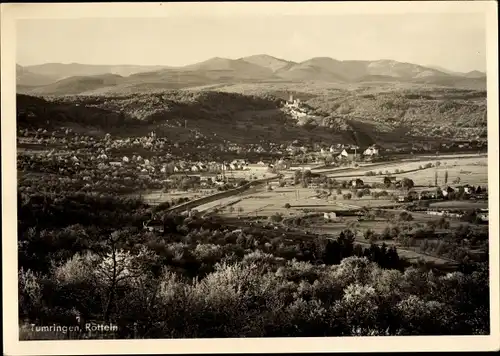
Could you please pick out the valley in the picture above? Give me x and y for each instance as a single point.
(299, 171)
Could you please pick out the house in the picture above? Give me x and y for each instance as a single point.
(483, 217)
(469, 189)
(348, 154)
(115, 164)
(153, 225)
(177, 169)
(371, 151)
(447, 191)
(202, 167)
(330, 216)
(195, 168)
(356, 183)
(260, 163)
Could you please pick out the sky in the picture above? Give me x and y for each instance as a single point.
(455, 41)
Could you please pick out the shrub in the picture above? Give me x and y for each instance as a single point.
(347, 196)
(405, 216)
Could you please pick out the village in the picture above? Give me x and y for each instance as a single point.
(281, 182)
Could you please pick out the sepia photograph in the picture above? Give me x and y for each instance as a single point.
(250, 176)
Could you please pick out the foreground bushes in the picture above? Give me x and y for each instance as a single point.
(265, 296)
(200, 279)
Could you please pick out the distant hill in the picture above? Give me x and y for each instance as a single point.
(471, 74)
(90, 79)
(224, 68)
(401, 70)
(321, 68)
(266, 61)
(77, 85)
(475, 74)
(25, 77)
(61, 71)
(218, 116)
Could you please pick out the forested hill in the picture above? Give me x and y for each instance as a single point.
(340, 116)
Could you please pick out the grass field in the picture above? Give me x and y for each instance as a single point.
(267, 203)
(461, 204)
(470, 170)
(158, 196)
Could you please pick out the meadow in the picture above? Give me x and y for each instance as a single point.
(470, 170)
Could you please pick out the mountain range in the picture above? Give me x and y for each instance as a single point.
(74, 78)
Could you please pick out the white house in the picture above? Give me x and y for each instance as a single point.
(483, 217)
(126, 159)
(194, 169)
(177, 169)
(371, 151)
(330, 216)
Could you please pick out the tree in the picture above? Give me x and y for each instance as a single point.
(347, 196)
(387, 182)
(407, 183)
(117, 266)
(446, 177)
(297, 177)
(287, 206)
(369, 235)
(461, 192)
(435, 178)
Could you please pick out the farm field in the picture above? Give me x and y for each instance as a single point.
(461, 204)
(267, 203)
(473, 170)
(159, 196)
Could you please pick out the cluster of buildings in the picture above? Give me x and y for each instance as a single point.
(297, 110)
(351, 152)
